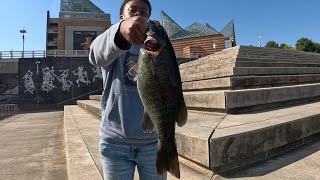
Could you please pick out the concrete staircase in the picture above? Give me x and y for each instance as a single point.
(243, 79)
(246, 104)
(268, 96)
(81, 124)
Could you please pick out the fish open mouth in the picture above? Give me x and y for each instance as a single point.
(152, 45)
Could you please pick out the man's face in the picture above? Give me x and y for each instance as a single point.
(135, 8)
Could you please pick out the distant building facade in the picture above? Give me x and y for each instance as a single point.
(79, 22)
(198, 39)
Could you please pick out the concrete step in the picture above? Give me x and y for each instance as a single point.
(206, 100)
(262, 98)
(230, 63)
(278, 60)
(245, 82)
(197, 130)
(254, 54)
(199, 122)
(218, 57)
(250, 71)
(233, 101)
(274, 52)
(240, 140)
(91, 106)
(222, 142)
(81, 139)
(277, 57)
(85, 129)
(95, 97)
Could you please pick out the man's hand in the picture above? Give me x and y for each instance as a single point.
(134, 29)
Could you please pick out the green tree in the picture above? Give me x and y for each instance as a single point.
(285, 46)
(282, 45)
(317, 47)
(305, 44)
(272, 44)
(288, 47)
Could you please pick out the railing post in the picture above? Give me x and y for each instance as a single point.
(5, 110)
(32, 54)
(9, 109)
(11, 53)
(1, 112)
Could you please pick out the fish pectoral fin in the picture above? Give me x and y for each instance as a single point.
(183, 113)
(147, 124)
(134, 70)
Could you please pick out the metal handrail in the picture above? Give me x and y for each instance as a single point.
(43, 54)
(66, 53)
(76, 98)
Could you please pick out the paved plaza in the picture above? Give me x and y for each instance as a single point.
(33, 147)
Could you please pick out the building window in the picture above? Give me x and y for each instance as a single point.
(228, 44)
(214, 45)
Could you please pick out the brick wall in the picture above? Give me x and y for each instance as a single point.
(202, 45)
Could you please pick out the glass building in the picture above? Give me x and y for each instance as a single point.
(198, 40)
(79, 22)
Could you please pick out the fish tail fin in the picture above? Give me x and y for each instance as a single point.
(167, 160)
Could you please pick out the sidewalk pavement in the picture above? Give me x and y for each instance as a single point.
(32, 147)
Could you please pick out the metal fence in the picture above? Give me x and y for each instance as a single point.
(7, 110)
(43, 54)
(67, 53)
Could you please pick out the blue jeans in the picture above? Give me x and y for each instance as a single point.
(119, 161)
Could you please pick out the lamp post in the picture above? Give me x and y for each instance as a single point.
(259, 42)
(23, 31)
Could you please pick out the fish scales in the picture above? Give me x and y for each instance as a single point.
(160, 89)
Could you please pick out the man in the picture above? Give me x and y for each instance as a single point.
(124, 145)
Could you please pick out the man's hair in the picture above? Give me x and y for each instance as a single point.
(126, 1)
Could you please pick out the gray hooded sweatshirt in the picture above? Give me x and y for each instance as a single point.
(122, 109)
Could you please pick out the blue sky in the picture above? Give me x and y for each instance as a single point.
(284, 21)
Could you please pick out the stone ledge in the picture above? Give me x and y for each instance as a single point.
(262, 96)
(205, 99)
(264, 60)
(192, 139)
(93, 106)
(249, 63)
(254, 82)
(195, 152)
(243, 139)
(250, 71)
(217, 57)
(80, 164)
(234, 101)
(95, 97)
